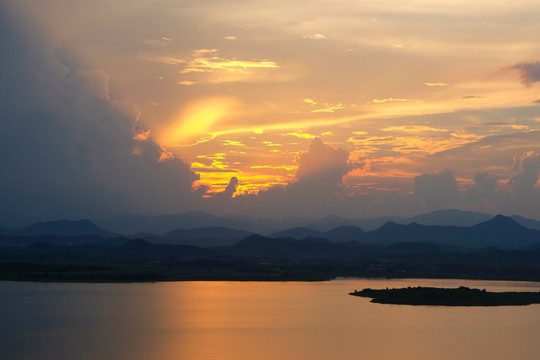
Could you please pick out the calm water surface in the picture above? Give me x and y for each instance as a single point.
(256, 320)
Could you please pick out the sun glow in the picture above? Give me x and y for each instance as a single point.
(196, 122)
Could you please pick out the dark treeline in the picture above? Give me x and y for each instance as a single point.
(96, 258)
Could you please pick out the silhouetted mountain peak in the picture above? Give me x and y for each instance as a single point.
(297, 233)
(450, 217)
(390, 225)
(501, 222)
(255, 238)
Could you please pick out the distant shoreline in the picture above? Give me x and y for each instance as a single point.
(149, 276)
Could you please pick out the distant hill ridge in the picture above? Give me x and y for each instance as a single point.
(163, 224)
(64, 228)
(498, 231)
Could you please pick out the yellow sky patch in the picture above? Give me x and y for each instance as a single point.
(413, 128)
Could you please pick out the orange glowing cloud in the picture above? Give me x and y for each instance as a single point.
(196, 122)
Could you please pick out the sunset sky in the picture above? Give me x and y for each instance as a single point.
(268, 108)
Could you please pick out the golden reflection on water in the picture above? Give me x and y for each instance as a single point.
(258, 320)
(222, 320)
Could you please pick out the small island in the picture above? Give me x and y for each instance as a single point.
(462, 296)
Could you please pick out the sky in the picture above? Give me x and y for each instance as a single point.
(268, 108)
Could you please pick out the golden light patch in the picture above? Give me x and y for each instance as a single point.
(232, 143)
(188, 82)
(269, 143)
(301, 135)
(196, 122)
(202, 63)
(316, 36)
(249, 183)
(329, 108)
(277, 167)
(165, 155)
(414, 128)
(143, 135)
(435, 84)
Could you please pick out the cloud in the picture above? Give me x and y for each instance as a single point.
(316, 36)
(483, 191)
(472, 97)
(414, 129)
(169, 60)
(318, 187)
(329, 108)
(201, 62)
(527, 166)
(188, 82)
(230, 190)
(529, 72)
(382, 101)
(301, 135)
(436, 190)
(435, 84)
(322, 163)
(72, 149)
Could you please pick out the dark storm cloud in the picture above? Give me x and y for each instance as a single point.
(68, 148)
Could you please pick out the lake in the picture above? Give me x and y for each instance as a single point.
(257, 320)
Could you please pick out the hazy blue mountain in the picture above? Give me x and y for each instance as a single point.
(339, 234)
(206, 237)
(500, 231)
(528, 223)
(503, 232)
(391, 233)
(450, 217)
(58, 240)
(298, 233)
(64, 228)
(345, 233)
(160, 225)
(331, 222)
(164, 224)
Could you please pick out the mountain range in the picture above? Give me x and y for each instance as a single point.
(480, 231)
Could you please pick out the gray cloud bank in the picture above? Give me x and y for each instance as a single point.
(67, 148)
